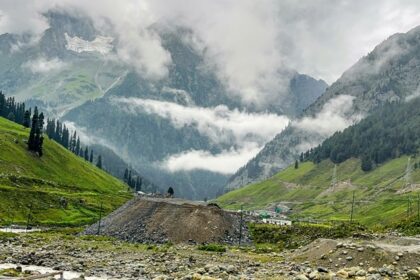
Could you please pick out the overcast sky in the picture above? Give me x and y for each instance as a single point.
(248, 39)
(250, 43)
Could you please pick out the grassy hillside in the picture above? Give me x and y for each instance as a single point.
(381, 195)
(45, 184)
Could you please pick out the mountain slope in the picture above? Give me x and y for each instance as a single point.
(59, 187)
(387, 140)
(390, 72)
(381, 195)
(73, 72)
(147, 125)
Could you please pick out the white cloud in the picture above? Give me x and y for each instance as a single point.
(250, 43)
(333, 117)
(43, 65)
(218, 123)
(86, 138)
(226, 162)
(414, 95)
(245, 133)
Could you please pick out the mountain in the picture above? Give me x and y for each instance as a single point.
(53, 71)
(68, 73)
(73, 72)
(389, 73)
(323, 185)
(59, 188)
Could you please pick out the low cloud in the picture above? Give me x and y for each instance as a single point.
(245, 133)
(414, 95)
(43, 65)
(217, 123)
(249, 43)
(333, 117)
(227, 162)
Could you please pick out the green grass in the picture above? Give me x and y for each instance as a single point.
(212, 248)
(379, 198)
(27, 180)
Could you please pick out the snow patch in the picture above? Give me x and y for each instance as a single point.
(101, 44)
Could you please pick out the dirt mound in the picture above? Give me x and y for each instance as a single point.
(162, 220)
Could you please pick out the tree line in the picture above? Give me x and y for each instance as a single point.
(388, 132)
(58, 132)
(17, 112)
(14, 111)
(135, 182)
(55, 130)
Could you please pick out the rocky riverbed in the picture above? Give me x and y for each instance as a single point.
(104, 258)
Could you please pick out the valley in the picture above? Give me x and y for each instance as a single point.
(237, 140)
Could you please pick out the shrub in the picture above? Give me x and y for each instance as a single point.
(212, 248)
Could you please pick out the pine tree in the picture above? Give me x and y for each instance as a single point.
(40, 149)
(366, 164)
(32, 134)
(11, 117)
(99, 162)
(91, 156)
(171, 191)
(129, 179)
(296, 164)
(138, 184)
(126, 175)
(77, 149)
(36, 138)
(72, 143)
(27, 119)
(86, 156)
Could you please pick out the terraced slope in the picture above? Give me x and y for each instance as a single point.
(381, 195)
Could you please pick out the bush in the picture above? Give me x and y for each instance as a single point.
(212, 248)
(291, 237)
(408, 226)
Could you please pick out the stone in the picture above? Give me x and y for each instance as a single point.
(314, 275)
(301, 277)
(361, 272)
(231, 269)
(413, 274)
(322, 269)
(342, 273)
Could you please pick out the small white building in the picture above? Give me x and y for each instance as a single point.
(277, 222)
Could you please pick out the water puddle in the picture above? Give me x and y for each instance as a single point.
(43, 270)
(19, 230)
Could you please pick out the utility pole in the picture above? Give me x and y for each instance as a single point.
(352, 209)
(100, 219)
(29, 216)
(408, 207)
(240, 227)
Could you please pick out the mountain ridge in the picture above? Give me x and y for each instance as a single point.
(387, 73)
